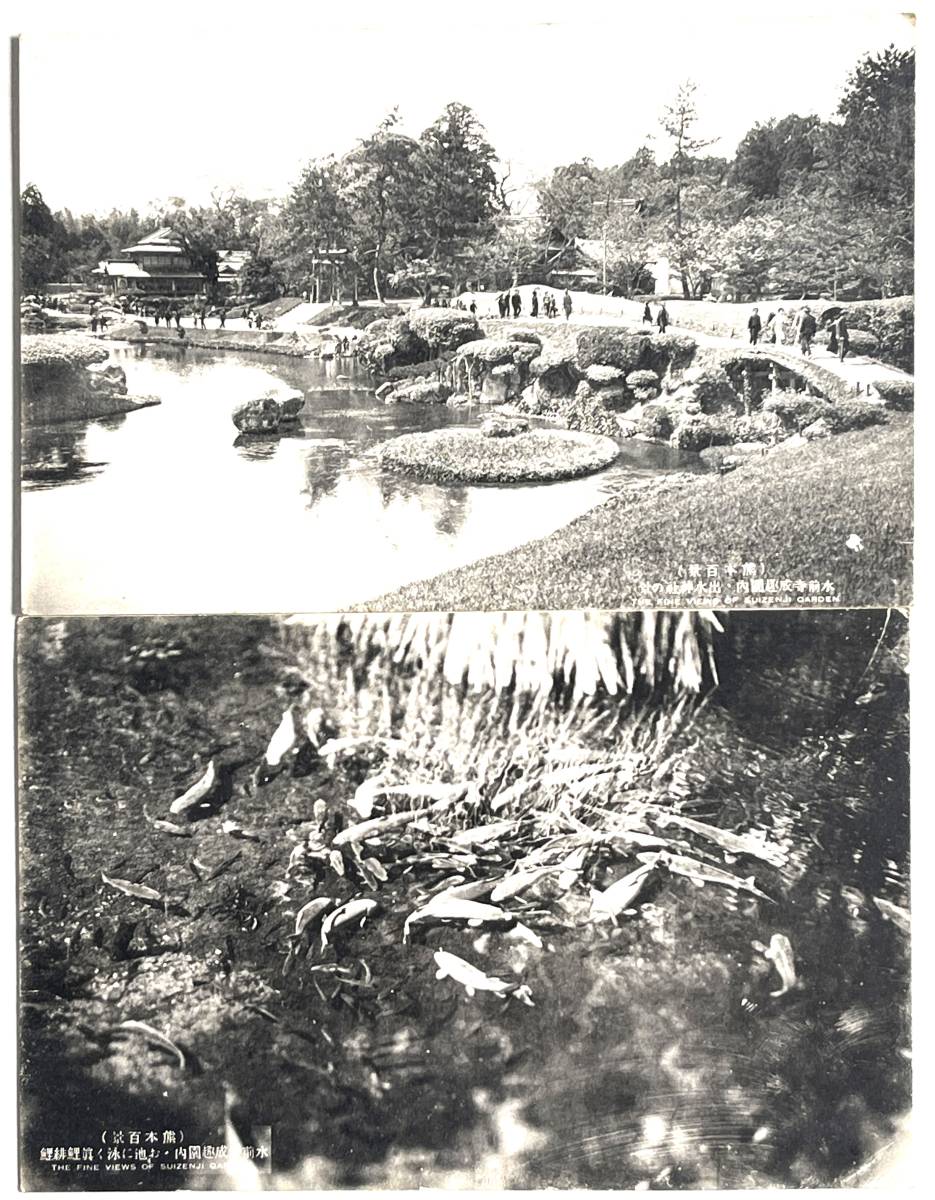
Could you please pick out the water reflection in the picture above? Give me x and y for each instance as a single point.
(53, 455)
(184, 510)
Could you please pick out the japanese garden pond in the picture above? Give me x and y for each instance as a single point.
(660, 1052)
(167, 510)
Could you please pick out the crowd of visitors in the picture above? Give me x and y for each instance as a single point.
(510, 304)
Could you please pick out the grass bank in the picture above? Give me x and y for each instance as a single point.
(793, 511)
(468, 456)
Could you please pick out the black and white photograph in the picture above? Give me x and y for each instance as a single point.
(464, 901)
(488, 310)
(463, 519)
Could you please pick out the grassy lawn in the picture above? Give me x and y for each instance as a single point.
(793, 511)
(467, 456)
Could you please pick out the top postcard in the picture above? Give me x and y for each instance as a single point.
(608, 311)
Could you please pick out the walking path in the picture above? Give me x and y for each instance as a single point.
(858, 371)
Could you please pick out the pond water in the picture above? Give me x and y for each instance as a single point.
(167, 510)
(658, 1053)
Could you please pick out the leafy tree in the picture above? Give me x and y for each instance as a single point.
(316, 216)
(455, 175)
(43, 241)
(776, 157)
(567, 199)
(261, 277)
(379, 192)
(872, 150)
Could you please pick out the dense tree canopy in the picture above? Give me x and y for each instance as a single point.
(802, 206)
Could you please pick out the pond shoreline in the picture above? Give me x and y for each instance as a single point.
(621, 552)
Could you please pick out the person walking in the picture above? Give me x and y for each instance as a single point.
(501, 303)
(534, 304)
(223, 315)
(647, 314)
(566, 304)
(771, 330)
(517, 301)
(202, 313)
(94, 318)
(662, 318)
(805, 329)
(473, 307)
(839, 327)
(755, 326)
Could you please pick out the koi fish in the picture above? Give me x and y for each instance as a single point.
(353, 910)
(473, 889)
(519, 881)
(779, 952)
(139, 890)
(171, 828)
(612, 901)
(893, 912)
(235, 829)
(733, 843)
(473, 980)
(481, 834)
(198, 793)
(153, 1035)
(312, 912)
(701, 873)
(282, 741)
(449, 908)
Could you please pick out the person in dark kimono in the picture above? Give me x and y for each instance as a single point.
(647, 314)
(754, 325)
(534, 304)
(517, 302)
(662, 318)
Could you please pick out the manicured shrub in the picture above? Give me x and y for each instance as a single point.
(431, 367)
(795, 409)
(489, 351)
(656, 421)
(644, 385)
(713, 391)
(892, 323)
(669, 352)
(56, 350)
(524, 352)
(520, 335)
(602, 375)
(612, 347)
(853, 414)
(443, 328)
(700, 431)
(589, 415)
(896, 393)
(758, 427)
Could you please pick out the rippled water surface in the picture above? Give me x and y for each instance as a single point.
(166, 510)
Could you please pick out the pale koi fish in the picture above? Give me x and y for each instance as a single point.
(354, 910)
(779, 952)
(702, 872)
(621, 895)
(450, 908)
(473, 980)
(198, 793)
